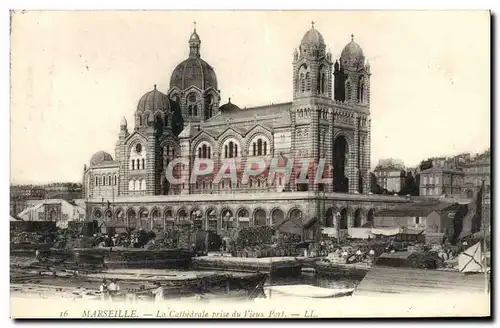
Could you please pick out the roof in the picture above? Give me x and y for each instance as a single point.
(436, 169)
(313, 37)
(153, 100)
(416, 209)
(79, 208)
(193, 72)
(100, 157)
(229, 107)
(272, 115)
(404, 281)
(352, 55)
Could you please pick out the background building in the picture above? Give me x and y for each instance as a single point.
(390, 174)
(55, 210)
(438, 181)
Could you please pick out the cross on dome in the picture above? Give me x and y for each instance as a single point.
(352, 37)
(312, 24)
(194, 24)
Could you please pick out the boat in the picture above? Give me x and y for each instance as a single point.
(140, 282)
(353, 270)
(308, 291)
(114, 257)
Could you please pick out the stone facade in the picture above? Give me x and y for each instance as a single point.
(328, 119)
(438, 181)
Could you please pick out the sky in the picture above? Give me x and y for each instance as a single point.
(75, 74)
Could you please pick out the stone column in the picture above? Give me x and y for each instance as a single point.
(150, 162)
(367, 155)
(354, 153)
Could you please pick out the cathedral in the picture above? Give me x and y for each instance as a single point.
(328, 118)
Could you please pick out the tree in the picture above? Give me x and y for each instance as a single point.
(425, 164)
(410, 187)
(374, 187)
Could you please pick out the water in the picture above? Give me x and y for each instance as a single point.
(312, 279)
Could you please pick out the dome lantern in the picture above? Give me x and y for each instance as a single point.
(194, 44)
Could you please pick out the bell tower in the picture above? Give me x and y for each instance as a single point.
(312, 67)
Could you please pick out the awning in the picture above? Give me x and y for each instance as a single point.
(386, 231)
(360, 233)
(410, 231)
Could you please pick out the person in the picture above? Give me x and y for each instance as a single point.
(104, 289)
(113, 288)
(158, 292)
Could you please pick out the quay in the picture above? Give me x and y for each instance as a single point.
(277, 266)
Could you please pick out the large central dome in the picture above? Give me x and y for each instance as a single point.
(194, 71)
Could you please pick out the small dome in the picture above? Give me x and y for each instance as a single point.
(229, 107)
(194, 37)
(193, 72)
(100, 157)
(352, 55)
(123, 122)
(154, 100)
(313, 37)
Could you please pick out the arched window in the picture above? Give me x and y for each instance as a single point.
(195, 110)
(131, 185)
(199, 153)
(231, 149)
(137, 186)
(254, 146)
(138, 164)
(143, 164)
(322, 83)
(348, 90)
(225, 151)
(208, 152)
(132, 164)
(143, 184)
(190, 110)
(203, 151)
(115, 180)
(109, 180)
(235, 150)
(361, 87)
(265, 148)
(302, 83)
(96, 181)
(103, 180)
(308, 82)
